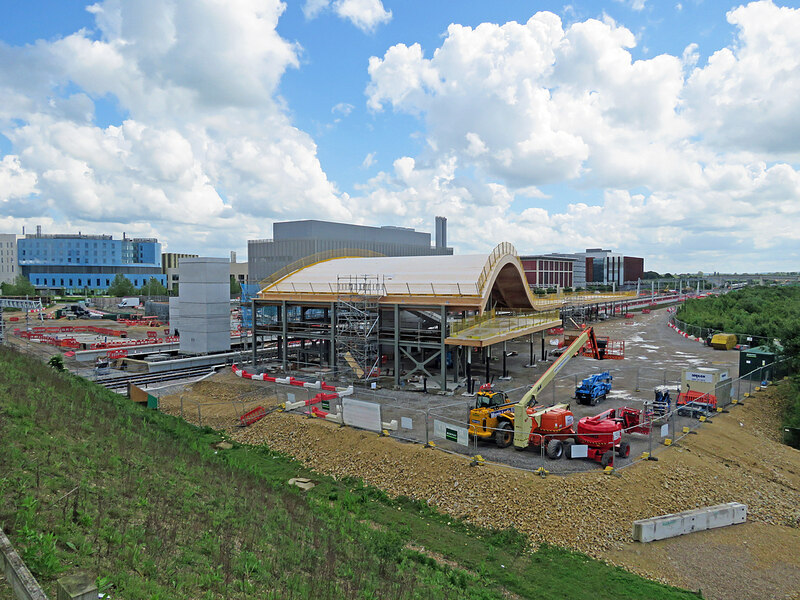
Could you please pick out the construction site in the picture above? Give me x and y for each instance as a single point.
(445, 379)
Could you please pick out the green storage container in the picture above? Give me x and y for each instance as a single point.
(755, 363)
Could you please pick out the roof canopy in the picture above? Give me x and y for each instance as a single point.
(474, 281)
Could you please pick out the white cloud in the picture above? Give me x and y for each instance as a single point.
(15, 182)
(667, 158)
(712, 151)
(343, 108)
(312, 8)
(746, 97)
(637, 5)
(534, 103)
(364, 14)
(205, 145)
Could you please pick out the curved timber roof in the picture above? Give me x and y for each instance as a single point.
(474, 282)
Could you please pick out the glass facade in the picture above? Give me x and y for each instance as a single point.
(78, 262)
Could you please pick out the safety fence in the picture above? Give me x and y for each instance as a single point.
(600, 437)
(615, 437)
(60, 337)
(695, 332)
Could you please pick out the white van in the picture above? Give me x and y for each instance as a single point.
(128, 303)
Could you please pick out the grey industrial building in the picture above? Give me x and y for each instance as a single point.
(294, 240)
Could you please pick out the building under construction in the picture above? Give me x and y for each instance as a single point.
(409, 318)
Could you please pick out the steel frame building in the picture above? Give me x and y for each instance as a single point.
(379, 315)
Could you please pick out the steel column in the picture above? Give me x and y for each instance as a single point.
(284, 334)
(397, 345)
(255, 337)
(443, 350)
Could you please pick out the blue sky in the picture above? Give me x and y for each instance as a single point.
(663, 130)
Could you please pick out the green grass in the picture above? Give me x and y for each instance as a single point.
(90, 481)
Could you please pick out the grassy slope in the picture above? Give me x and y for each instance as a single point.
(156, 512)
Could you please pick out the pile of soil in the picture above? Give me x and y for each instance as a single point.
(218, 401)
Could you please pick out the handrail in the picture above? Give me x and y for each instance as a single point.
(517, 319)
(313, 259)
(499, 251)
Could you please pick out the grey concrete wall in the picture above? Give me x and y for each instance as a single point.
(17, 574)
(204, 296)
(158, 309)
(174, 315)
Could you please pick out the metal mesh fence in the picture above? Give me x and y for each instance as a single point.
(643, 429)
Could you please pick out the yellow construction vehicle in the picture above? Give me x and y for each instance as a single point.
(492, 417)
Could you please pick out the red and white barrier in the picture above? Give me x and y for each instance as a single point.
(315, 385)
(684, 334)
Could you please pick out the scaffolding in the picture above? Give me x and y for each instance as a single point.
(357, 319)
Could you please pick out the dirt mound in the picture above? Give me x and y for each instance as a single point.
(218, 401)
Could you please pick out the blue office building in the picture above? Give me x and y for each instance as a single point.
(74, 263)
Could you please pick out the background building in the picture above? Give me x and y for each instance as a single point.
(169, 267)
(9, 266)
(294, 240)
(604, 267)
(76, 262)
(239, 270)
(549, 270)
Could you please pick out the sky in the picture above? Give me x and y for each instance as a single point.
(667, 130)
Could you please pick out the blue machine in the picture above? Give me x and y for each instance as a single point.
(594, 388)
(661, 404)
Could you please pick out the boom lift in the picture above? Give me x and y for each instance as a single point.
(531, 423)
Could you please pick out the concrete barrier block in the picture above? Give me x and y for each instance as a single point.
(76, 587)
(666, 526)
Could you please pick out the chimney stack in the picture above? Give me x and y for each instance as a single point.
(233, 256)
(38, 230)
(441, 232)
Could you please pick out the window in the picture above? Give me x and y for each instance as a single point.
(108, 282)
